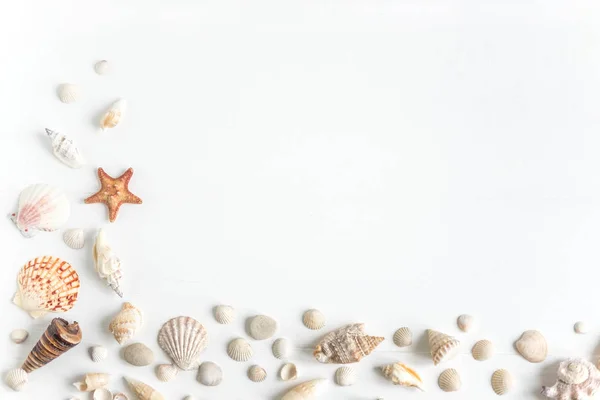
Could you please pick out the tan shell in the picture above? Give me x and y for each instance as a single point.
(98, 353)
(345, 345)
(313, 319)
(466, 323)
(282, 348)
(143, 391)
(138, 354)
(449, 380)
(68, 92)
(581, 327)
(102, 394)
(18, 336)
(483, 350)
(58, 338)
(577, 379)
(183, 339)
(403, 337)
(532, 346)
(91, 382)
(257, 373)
(209, 374)
(288, 372)
(307, 390)
(403, 375)
(345, 376)
(113, 116)
(224, 314)
(442, 347)
(126, 323)
(262, 327)
(166, 372)
(502, 382)
(101, 67)
(16, 379)
(239, 350)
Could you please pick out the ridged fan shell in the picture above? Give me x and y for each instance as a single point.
(183, 339)
(16, 379)
(257, 373)
(307, 390)
(91, 382)
(98, 353)
(345, 345)
(41, 208)
(483, 350)
(74, 238)
(239, 350)
(68, 92)
(345, 376)
(313, 319)
(502, 382)
(403, 337)
(166, 372)
(449, 380)
(224, 314)
(143, 391)
(442, 347)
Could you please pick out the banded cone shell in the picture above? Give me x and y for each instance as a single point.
(224, 314)
(345, 376)
(345, 345)
(59, 337)
(449, 380)
(307, 390)
(183, 339)
(143, 391)
(442, 347)
(257, 373)
(483, 350)
(126, 323)
(288, 372)
(41, 208)
(313, 319)
(166, 372)
(502, 382)
(403, 337)
(16, 379)
(239, 350)
(402, 375)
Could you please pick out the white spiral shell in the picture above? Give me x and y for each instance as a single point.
(65, 150)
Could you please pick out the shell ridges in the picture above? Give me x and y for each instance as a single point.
(183, 339)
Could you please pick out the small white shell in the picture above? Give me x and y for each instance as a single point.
(403, 337)
(113, 116)
(68, 93)
(313, 319)
(262, 327)
(224, 314)
(288, 372)
(483, 350)
(98, 353)
(345, 376)
(257, 373)
(19, 336)
(502, 381)
(101, 67)
(74, 238)
(102, 394)
(282, 348)
(449, 380)
(466, 323)
(209, 374)
(239, 350)
(581, 327)
(166, 372)
(16, 379)
(120, 396)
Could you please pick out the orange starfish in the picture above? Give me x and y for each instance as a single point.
(114, 192)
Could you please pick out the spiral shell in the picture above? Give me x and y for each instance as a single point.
(91, 382)
(442, 347)
(345, 345)
(183, 339)
(403, 337)
(143, 391)
(224, 314)
(577, 379)
(126, 323)
(166, 372)
(313, 319)
(401, 374)
(209, 374)
(58, 338)
(65, 150)
(449, 380)
(345, 376)
(41, 208)
(239, 350)
(107, 264)
(16, 379)
(257, 373)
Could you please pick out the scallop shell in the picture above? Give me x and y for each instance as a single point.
(120, 396)
(502, 382)
(113, 116)
(68, 93)
(183, 339)
(313, 319)
(401, 374)
(449, 380)
(107, 264)
(74, 238)
(262, 327)
(19, 336)
(46, 284)
(466, 323)
(577, 379)
(403, 337)
(65, 150)
(307, 390)
(345, 376)
(257, 373)
(126, 323)
(581, 327)
(532, 346)
(58, 338)
(442, 347)
(98, 353)
(345, 345)
(239, 350)
(143, 391)
(91, 382)
(224, 314)
(16, 379)
(41, 208)
(138, 354)
(209, 374)
(102, 394)
(282, 348)
(101, 67)
(166, 372)
(288, 372)
(483, 350)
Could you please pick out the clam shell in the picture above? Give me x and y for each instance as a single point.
(107, 264)
(126, 323)
(345, 376)
(483, 350)
(143, 391)
(91, 382)
(345, 345)
(257, 373)
(307, 390)
(403, 337)
(65, 149)
(239, 350)
(466, 323)
(282, 348)
(138, 354)
(120, 396)
(577, 379)
(442, 347)
(102, 394)
(224, 314)
(68, 93)
(98, 353)
(183, 339)
(101, 67)
(313, 319)
(288, 372)
(581, 327)
(401, 374)
(262, 327)
(113, 116)
(532, 346)
(16, 379)
(58, 338)
(166, 372)
(502, 382)
(449, 380)
(74, 238)
(19, 336)
(41, 208)
(209, 374)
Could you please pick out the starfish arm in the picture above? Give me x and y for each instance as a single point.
(132, 199)
(126, 177)
(113, 209)
(95, 198)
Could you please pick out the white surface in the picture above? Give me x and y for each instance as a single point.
(392, 162)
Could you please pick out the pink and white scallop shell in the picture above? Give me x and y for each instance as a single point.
(41, 208)
(576, 379)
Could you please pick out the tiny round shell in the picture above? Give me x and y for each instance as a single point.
(345, 376)
(313, 319)
(449, 380)
(101, 67)
(239, 350)
(502, 382)
(483, 350)
(68, 93)
(282, 348)
(98, 353)
(74, 238)
(19, 336)
(224, 314)
(403, 337)
(138, 354)
(166, 372)
(102, 394)
(16, 379)
(288, 372)
(466, 323)
(209, 374)
(581, 327)
(120, 396)
(257, 373)
(262, 327)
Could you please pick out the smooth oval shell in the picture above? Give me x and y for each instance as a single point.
(441, 346)
(345, 376)
(307, 390)
(532, 346)
(102, 394)
(91, 382)
(113, 116)
(126, 323)
(138, 354)
(346, 345)
(19, 336)
(239, 350)
(209, 374)
(143, 391)
(74, 238)
(101, 67)
(282, 348)
(483, 350)
(466, 323)
(403, 375)
(98, 353)
(16, 379)
(502, 382)
(68, 93)
(166, 372)
(41, 208)
(581, 327)
(224, 314)
(257, 373)
(449, 380)
(183, 339)
(403, 337)
(262, 327)
(288, 372)
(313, 319)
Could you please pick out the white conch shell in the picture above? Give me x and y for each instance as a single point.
(166, 372)
(288, 372)
(502, 382)
(345, 345)
(16, 379)
(239, 350)
(183, 339)
(313, 319)
(74, 238)
(256, 373)
(114, 114)
(41, 208)
(108, 265)
(101, 67)
(98, 353)
(91, 382)
(401, 374)
(209, 374)
(442, 347)
(68, 93)
(449, 380)
(224, 314)
(403, 337)
(282, 348)
(307, 390)
(126, 323)
(65, 150)
(577, 379)
(483, 350)
(532, 346)
(143, 391)
(102, 394)
(345, 376)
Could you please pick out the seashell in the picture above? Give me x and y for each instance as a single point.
(209, 374)
(262, 327)
(345, 345)
(532, 346)
(101, 67)
(107, 264)
(113, 116)
(449, 380)
(68, 92)
(581, 327)
(91, 382)
(282, 348)
(239, 350)
(188, 398)
(41, 208)
(577, 379)
(57, 339)
(288, 372)
(166, 372)
(224, 314)
(403, 337)
(138, 354)
(98, 353)
(466, 323)
(502, 382)
(65, 150)
(19, 336)
(313, 319)
(183, 339)
(120, 396)
(102, 394)
(401, 374)
(257, 373)
(483, 350)
(345, 376)
(307, 390)
(143, 391)
(442, 347)
(16, 379)
(126, 323)
(74, 238)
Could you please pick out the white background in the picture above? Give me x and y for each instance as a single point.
(390, 162)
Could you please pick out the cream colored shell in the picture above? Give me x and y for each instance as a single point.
(166, 372)
(313, 319)
(41, 208)
(449, 380)
(345, 376)
(224, 314)
(16, 379)
(143, 391)
(113, 115)
(256, 373)
(502, 382)
(120, 396)
(403, 375)
(307, 390)
(98, 353)
(92, 381)
(138, 354)
(209, 374)
(288, 372)
(403, 337)
(18, 336)
(581, 327)
(466, 323)
(126, 323)
(65, 150)
(74, 238)
(108, 265)
(101, 67)
(346, 345)
(262, 327)
(282, 348)
(102, 394)
(483, 350)
(183, 339)
(239, 350)
(532, 346)
(68, 92)
(441, 346)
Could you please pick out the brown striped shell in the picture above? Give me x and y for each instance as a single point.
(59, 337)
